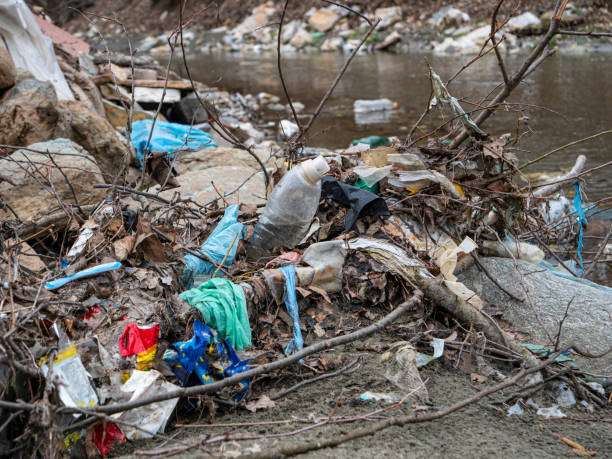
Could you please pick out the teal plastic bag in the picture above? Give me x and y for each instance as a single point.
(168, 137)
(216, 246)
(223, 308)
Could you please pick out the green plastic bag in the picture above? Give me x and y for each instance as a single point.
(223, 308)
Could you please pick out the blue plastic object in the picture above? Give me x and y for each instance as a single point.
(57, 283)
(208, 359)
(216, 246)
(168, 137)
(582, 221)
(297, 342)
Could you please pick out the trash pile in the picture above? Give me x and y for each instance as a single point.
(122, 306)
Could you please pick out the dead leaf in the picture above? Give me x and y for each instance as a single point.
(319, 331)
(493, 149)
(263, 403)
(480, 379)
(304, 291)
(321, 292)
(148, 243)
(452, 336)
(123, 247)
(577, 447)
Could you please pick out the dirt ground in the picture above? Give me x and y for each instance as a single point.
(480, 430)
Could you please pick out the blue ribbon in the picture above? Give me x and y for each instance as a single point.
(297, 342)
(582, 221)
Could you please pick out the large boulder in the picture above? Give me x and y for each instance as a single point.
(92, 132)
(323, 20)
(8, 73)
(589, 321)
(524, 24)
(28, 113)
(388, 16)
(31, 174)
(189, 110)
(449, 16)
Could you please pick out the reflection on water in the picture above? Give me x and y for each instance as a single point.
(567, 98)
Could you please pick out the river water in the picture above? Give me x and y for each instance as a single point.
(569, 97)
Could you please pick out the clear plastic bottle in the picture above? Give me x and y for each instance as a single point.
(291, 207)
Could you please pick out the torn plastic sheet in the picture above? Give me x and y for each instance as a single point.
(106, 435)
(150, 418)
(390, 255)
(216, 246)
(515, 410)
(29, 48)
(297, 342)
(445, 256)
(327, 259)
(379, 397)
(69, 375)
(450, 106)
(360, 202)
(424, 359)
(80, 244)
(415, 181)
(372, 175)
(209, 360)
(400, 365)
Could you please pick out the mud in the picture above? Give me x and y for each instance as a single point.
(480, 430)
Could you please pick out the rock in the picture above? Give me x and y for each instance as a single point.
(290, 29)
(372, 105)
(117, 116)
(189, 110)
(323, 20)
(470, 43)
(393, 38)
(86, 64)
(94, 133)
(225, 166)
(388, 16)
(298, 107)
(145, 74)
(300, 39)
(525, 23)
(251, 23)
(449, 17)
(588, 321)
(8, 73)
(29, 196)
(28, 113)
(286, 129)
(332, 44)
(154, 95)
(570, 17)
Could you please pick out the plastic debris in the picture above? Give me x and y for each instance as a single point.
(515, 410)
(80, 244)
(168, 137)
(582, 221)
(141, 342)
(69, 375)
(222, 241)
(370, 176)
(106, 435)
(57, 283)
(327, 259)
(375, 105)
(565, 395)
(290, 209)
(152, 418)
(520, 250)
(379, 397)
(552, 412)
(223, 307)
(297, 342)
(423, 359)
(373, 141)
(401, 368)
(360, 202)
(209, 360)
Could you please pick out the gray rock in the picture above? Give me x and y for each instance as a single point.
(589, 321)
(189, 110)
(29, 196)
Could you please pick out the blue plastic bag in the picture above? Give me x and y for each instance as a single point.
(216, 246)
(168, 137)
(297, 342)
(209, 360)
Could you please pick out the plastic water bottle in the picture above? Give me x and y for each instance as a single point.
(291, 207)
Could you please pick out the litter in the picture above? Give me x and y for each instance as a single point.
(167, 137)
(515, 410)
(223, 307)
(360, 202)
(141, 342)
(424, 359)
(297, 342)
(401, 368)
(220, 245)
(373, 141)
(378, 397)
(57, 283)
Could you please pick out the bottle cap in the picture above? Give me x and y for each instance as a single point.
(314, 169)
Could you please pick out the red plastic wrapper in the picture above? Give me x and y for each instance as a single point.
(137, 340)
(106, 435)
